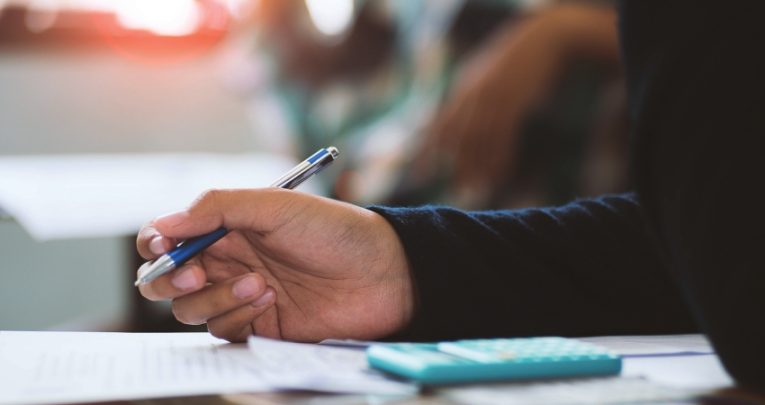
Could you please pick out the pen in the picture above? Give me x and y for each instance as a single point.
(191, 247)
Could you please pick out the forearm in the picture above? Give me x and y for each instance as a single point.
(582, 269)
(527, 57)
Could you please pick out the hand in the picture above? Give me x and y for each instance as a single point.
(476, 129)
(293, 266)
(477, 126)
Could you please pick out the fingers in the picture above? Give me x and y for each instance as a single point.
(259, 210)
(237, 324)
(151, 244)
(267, 324)
(229, 307)
(179, 282)
(218, 299)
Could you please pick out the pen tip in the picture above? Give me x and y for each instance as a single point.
(333, 151)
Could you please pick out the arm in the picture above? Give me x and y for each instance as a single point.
(301, 267)
(583, 269)
(697, 93)
(508, 78)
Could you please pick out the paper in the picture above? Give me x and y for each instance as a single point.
(75, 367)
(703, 373)
(682, 361)
(65, 367)
(71, 196)
(610, 390)
(659, 345)
(316, 367)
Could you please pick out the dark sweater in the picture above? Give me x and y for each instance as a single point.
(684, 253)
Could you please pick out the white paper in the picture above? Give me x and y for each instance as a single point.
(703, 373)
(681, 361)
(77, 367)
(658, 345)
(318, 367)
(609, 390)
(70, 196)
(65, 367)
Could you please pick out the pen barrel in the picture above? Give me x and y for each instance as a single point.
(307, 168)
(191, 247)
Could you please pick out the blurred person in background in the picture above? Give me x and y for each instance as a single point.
(522, 122)
(477, 131)
(374, 87)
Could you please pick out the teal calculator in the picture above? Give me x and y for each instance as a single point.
(493, 360)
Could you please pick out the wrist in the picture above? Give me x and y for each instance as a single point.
(395, 270)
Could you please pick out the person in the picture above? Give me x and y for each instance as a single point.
(520, 121)
(682, 253)
(478, 131)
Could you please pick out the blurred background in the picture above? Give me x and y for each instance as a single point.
(480, 104)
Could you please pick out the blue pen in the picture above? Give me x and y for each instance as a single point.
(191, 247)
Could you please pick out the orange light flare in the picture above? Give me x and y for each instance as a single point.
(164, 31)
(154, 31)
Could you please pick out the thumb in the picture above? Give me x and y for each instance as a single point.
(258, 210)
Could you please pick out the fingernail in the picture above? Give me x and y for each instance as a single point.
(266, 298)
(184, 280)
(157, 246)
(245, 288)
(173, 219)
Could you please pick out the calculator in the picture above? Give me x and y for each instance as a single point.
(493, 360)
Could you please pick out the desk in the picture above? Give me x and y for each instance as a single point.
(153, 365)
(46, 279)
(702, 370)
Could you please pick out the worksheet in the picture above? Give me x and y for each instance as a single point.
(323, 368)
(66, 367)
(58, 367)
